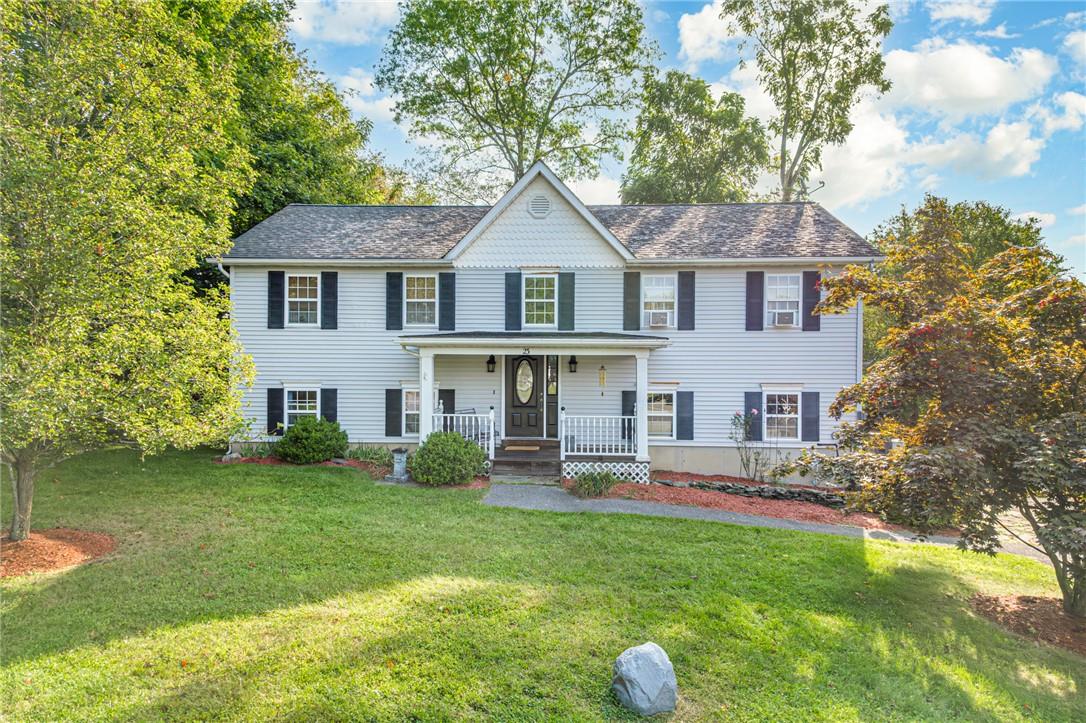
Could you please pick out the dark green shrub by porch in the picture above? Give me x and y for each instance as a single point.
(594, 484)
(311, 440)
(446, 458)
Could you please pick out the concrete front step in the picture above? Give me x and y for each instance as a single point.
(548, 467)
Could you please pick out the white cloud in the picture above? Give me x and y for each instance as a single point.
(1009, 149)
(1076, 240)
(1044, 220)
(999, 32)
(363, 98)
(744, 81)
(1068, 115)
(703, 35)
(966, 11)
(599, 190)
(965, 78)
(1075, 46)
(1078, 210)
(341, 21)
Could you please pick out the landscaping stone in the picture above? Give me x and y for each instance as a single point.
(231, 457)
(772, 492)
(644, 680)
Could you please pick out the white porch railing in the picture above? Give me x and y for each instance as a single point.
(597, 435)
(478, 428)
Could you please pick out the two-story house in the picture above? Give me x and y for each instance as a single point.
(607, 336)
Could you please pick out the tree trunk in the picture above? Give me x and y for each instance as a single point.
(1074, 596)
(22, 485)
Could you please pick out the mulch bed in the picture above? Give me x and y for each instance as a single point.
(691, 477)
(1037, 618)
(55, 549)
(375, 470)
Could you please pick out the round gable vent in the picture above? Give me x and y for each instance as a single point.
(539, 206)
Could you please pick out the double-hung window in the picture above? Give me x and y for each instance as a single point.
(303, 299)
(540, 300)
(302, 403)
(781, 415)
(411, 409)
(658, 301)
(661, 411)
(782, 293)
(420, 300)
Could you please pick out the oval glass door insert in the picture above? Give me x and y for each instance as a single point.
(525, 380)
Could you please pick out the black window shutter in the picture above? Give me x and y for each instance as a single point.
(812, 281)
(275, 410)
(755, 301)
(329, 402)
(393, 413)
(329, 300)
(446, 301)
(512, 301)
(394, 300)
(629, 402)
(631, 301)
(276, 291)
(684, 415)
(686, 300)
(752, 408)
(809, 422)
(567, 291)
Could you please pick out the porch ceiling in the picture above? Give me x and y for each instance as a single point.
(553, 342)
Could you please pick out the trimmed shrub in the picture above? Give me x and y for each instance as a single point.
(380, 456)
(446, 458)
(594, 484)
(311, 440)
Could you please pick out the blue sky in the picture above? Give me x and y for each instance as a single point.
(988, 103)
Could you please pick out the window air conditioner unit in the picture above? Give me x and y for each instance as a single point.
(658, 318)
(784, 318)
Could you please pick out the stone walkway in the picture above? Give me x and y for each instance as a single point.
(556, 499)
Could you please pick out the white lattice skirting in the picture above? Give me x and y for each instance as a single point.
(628, 471)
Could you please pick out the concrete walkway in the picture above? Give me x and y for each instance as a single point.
(556, 499)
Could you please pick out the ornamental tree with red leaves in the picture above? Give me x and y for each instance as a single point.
(982, 384)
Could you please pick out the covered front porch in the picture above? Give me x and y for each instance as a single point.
(579, 398)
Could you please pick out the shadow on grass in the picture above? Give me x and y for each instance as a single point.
(311, 593)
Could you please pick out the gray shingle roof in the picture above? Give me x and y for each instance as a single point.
(705, 231)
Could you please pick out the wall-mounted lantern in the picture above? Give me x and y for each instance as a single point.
(573, 364)
(490, 363)
(603, 376)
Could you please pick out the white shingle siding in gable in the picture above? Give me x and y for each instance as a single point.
(563, 238)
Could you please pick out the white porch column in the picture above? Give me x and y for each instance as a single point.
(641, 431)
(426, 393)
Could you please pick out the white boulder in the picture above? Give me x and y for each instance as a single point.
(644, 680)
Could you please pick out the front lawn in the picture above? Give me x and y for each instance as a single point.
(255, 592)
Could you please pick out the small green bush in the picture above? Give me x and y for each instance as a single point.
(381, 456)
(594, 484)
(446, 458)
(311, 440)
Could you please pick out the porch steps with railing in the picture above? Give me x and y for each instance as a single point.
(515, 457)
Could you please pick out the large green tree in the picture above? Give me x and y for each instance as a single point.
(814, 58)
(691, 148)
(119, 173)
(504, 83)
(983, 387)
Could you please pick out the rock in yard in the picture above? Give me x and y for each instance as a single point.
(644, 680)
(231, 456)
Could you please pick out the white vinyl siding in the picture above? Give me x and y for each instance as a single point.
(420, 300)
(303, 299)
(302, 403)
(658, 293)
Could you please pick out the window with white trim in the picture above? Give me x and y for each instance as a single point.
(658, 300)
(781, 412)
(411, 411)
(540, 300)
(303, 299)
(782, 294)
(302, 403)
(661, 411)
(420, 300)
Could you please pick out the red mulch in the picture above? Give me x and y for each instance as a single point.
(781, 509)
(48, 550)
(689, 477)
(1037, 618)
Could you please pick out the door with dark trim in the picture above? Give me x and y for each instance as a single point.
(524, 397)
(551, 396)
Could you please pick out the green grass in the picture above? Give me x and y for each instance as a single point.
(256, 592)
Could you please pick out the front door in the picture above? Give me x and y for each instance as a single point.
(523, 397)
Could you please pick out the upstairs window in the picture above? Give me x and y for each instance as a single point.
(782, 294)
(782, 416)
(303, 299)
(658, 301)
(301, 403)
(661, 411)
(411, 411)
(420, 300)
(540, 300)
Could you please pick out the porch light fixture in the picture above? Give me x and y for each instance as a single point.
(603, 375)
(573, 364)
(490, 363)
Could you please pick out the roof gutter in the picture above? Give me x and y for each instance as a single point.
(635, 263)
(373, 263)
